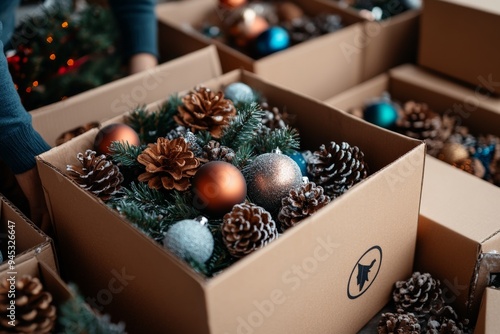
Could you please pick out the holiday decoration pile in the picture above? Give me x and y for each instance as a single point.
(260, 28)
(446, 138)
(214, 179)
(421, 308)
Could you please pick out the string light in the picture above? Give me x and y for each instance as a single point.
(52, 56)
(65, 24)
(50, 39)
(35, 83)
(28, 90)
(70, 62)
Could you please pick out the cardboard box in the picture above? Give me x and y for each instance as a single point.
(19, 232)
(314, 67)
(119, 96)
(384, 44)
(459, 226)
(488, 322)
(293, 285)
(457, 39)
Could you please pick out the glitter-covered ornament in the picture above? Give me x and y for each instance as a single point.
(114, 132)
(217, 187)
(190, 240)
(270, 177)
(272, 40)
(382, 113)
(239, 92)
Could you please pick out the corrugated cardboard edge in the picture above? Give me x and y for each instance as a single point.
(487, 264)
(45, 250)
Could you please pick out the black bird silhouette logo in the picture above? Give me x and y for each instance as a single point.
(363, 272)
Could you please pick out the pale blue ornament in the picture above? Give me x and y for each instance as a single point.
(239, 92)
(190, 240)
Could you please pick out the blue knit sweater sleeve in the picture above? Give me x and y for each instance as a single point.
(138, 25)
(19, 142)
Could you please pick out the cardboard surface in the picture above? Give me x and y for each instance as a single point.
(293, 285)
(29, 240)
(117, 97)
(315, 67)
(488, 321)
(458, 39)
(459, 226)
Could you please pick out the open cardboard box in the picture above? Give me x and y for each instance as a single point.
(457, 38)
(488, 322)
(112, 99)
(29, 241)
(384, 44)
(314, 67)
(304, 282)
(459, 230)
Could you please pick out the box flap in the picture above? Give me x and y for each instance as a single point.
(488, 6)
(119, 96)
(488, 321)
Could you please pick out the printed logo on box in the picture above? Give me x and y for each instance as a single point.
(364, 272)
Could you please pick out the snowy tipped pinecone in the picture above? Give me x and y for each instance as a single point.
(247, 228)
(447, 325)
(337, 167)
(420, 294)
(214, 151)
(96, 174)
(301, 203)
(170, 164)
(34, 309)
(398, 323)
(203, 109)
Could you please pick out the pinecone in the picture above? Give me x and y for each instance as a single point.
(301, 203)
(471, 166)
(447, 322)
(96, 174)
(398, 323)
(170, 164)
(421, 294)
(337, 167)
(215, 151)
(70, 134)
(419, 122)
(274, 118)
(247, 228)
(328, 23)
(203, 109)
(35, 312)
(301, 29)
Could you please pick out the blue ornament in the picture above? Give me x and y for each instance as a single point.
(381, 113)
(300, 160)
(190, 240)
(239, 92)
(485, 153)
(272, 40)
(211, 31)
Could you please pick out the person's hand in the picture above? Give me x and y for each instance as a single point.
(142, 61)
(32, 187)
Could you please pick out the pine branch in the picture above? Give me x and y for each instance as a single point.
(203, 137)
(125, 154)
(243, 127)
(146, 198)
(138, 120)
(182, 206)
(76, 317)
(243, 155)
(165, 115)
(286, 140)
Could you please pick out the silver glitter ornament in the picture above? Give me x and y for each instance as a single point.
(190, 240)
(269, 178)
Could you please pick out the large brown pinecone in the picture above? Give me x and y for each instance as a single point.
(420, 294)
(214, 151)
(202, 109)
(398, 323)
(418, 121)
(337, 167)
(170, 164)
(247, 228)
(96, 174)
(301, 203)
(34, 310)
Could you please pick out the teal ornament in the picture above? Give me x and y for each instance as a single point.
(381, 113)
(190, 240)
(239, 92)
(485, 153)
(300, 160)
(211, 31)
(1, 257)
(272, 40)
